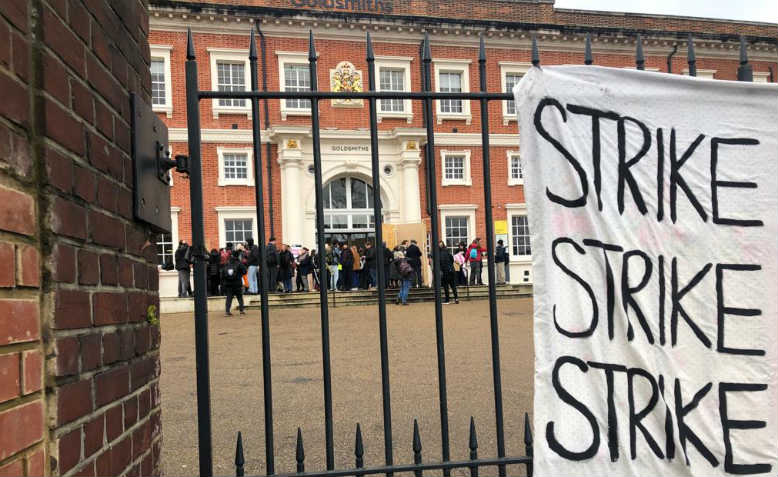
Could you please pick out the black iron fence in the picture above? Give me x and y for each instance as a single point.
(427, 96)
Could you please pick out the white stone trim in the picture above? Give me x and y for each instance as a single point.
(249, 180)
(761, 76)
(467, 181)
(295, 58)
(701, 73)
(397, 63)
(453, 66)
(519, 209)
(511, 180)
(235, 212)
(174, 211)
(451, 210)
(505, 68)
(232, 56)
(162, 52)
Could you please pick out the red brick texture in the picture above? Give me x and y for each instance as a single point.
(78, 360)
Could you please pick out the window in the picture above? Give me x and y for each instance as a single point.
(701, 73)
(511, 73)
(161, 87)
(451, 76)
(761, 76)
(520, 235)
(297, 78)
(348, 204)
(164, 249)
(229, 72)
(235, 166)
(455, 231)
(238, 230)
(515, 171)
(394, 74)
(456, 167)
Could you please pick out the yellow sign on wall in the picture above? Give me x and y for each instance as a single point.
(500, 227)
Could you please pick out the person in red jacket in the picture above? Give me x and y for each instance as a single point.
(474, 256)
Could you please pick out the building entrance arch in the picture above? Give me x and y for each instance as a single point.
(348, 210)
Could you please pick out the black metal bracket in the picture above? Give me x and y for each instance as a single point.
(164, 164)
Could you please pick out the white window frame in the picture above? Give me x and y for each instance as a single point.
(518, 210)
(235, 212)
(761, 76)
(512, 181)
(249, 180)
(509, 67)
(453, 66)
(457, 210)
(702, 73)
(293, 58)
(395, 63)
(162, 52)
(173, 231)
(455, 182)
(232, 56)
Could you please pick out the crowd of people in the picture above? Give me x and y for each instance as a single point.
(235, 270)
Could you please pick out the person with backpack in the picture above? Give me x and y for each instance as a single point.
(405, 271)
(448, 277)
(304, 269)
(371, 264)
(413, 255)
(347, 267)
(500, 257)
(232, 278)
(213, 273)
(474, 257)
(286, 267)
(252, 261)
(183, 261)
(271, 258)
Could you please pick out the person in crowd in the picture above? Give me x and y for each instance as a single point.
(357, 267)
(313, 278)
(347, 267)
(387, 257)
(405, 270)
(271, 257)
(448, 277)
(413, 255)
(371, 264)
(252, 261)
(332, 264)
(474, 256)
(304, 269)
(459, 265)
(285, 267)
(500, 257)
(213, 273)
(393, 272)
(232, 274)
(183, 261)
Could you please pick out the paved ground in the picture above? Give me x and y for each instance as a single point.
(236, 383)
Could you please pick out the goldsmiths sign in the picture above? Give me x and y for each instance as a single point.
(377, 6)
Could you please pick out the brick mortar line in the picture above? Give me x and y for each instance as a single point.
(17, 347)
(77, 332)
(26, 293)
(21, 401)
(60, 381)
(26, 450)
(96, 288)
(102, 249)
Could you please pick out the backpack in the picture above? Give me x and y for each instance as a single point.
(231, 271)
(405, 268)
(473, 254)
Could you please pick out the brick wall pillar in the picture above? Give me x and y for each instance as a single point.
(79, 350)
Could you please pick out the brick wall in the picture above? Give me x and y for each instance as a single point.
(79, 363)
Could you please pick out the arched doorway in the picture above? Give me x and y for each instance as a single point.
(348, 210)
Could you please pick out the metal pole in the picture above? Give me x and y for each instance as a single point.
(745, 72)
(267, 383)
(494, 326)
(267, 125)
(200, 280)
(379, 250)
(324, 306)
(435, 225)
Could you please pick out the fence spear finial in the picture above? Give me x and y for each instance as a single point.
(588, 50)
(190, 52)
(300, 453)
(473, 444)
(370, 54)
(745, 72)
(252, 45)
(239, 460)
(481, 49)
(416, 447)
(743, 51)
(691, 58)
(640, 60)
(359, 449)
(311, 47)
(426, 54)
(535, 52)
(528, 448)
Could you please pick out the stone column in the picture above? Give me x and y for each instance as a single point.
(411, 202)
(290, 159)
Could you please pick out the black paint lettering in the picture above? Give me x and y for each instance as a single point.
(676, 179)
(722, 310)
(584, 285)
(580, 201)
(635, 418)
(661, 268)
(728, 424)
(596, 115)
(609, 284)
(677, 308)
(669, 439)
(625, 176)
(660, 175)
(627, 292)
(685, 432)
(613, 422)
(553, 443)
(715, 184)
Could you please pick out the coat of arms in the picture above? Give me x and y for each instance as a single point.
(345, 78)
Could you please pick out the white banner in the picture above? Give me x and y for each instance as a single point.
(653, 211)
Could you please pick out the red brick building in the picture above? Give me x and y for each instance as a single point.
(221, 30)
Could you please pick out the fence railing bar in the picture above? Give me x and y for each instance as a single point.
(473, 445)
(528, 446)
(379, 251)
(489, 219)
(264, 288)
(299, 455)
(205, 453)
(323, 308)
(445, 466)
(745, 72)
(435, 233)
(691, 58)
(588, 60)
(239, 459)
(640, 59)
(417, 95)
(417, 448)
